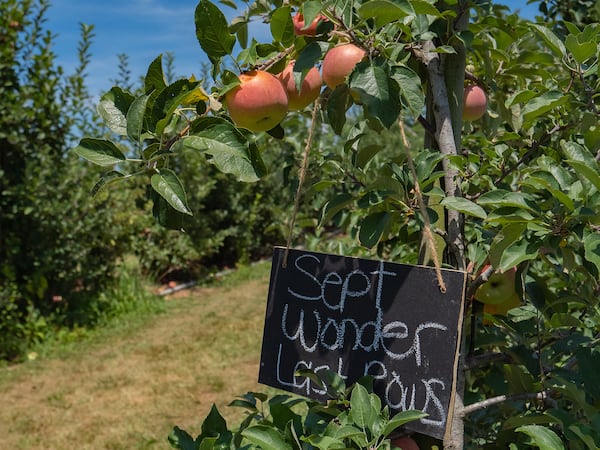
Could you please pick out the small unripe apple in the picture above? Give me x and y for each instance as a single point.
(405, 443)
(299, 25)
(500, 288)
(474, 103)
(502, 308)
(339, 62)
(309, 90)
(259, 102)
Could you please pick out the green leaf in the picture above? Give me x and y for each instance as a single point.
(335, 205)
(384, 11)
(106, 179)
(167, 102)
(580, 51)
(542, 437)
(503, 198)
(168, 186)
(337, 104)
(550, 39)
(424, 7)
(99, 151)
(372, 228)
(324, 442)
(410, 89)
(591, 244)
(362, 411)
(268, 438)
(135, 117)
(516, 253)
(542, 104)
(464, 206)
(505, 238)
(282, 27)
(378, 93)
(212, 31)
(310, 11)
(113, 107)
(586, 171)
(155, 78)
(214, 424)
(229, 150)
(181, 440)
(402, 418)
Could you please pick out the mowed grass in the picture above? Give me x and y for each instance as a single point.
(126, 386)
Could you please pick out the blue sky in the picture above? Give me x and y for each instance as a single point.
(142, 29)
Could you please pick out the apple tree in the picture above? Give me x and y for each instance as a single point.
(508, 180)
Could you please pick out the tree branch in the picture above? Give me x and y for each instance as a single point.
(540, 396)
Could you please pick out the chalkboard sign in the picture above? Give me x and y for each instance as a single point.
(364, 317)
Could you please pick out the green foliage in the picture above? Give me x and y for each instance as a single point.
(57, 249)
(519, 188)
(353, 419)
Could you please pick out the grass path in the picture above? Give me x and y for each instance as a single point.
(127, 386)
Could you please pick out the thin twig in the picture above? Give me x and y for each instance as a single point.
(427, 233)
(301, 177)
(541, 396)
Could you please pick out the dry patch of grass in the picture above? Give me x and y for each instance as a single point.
(127, 389)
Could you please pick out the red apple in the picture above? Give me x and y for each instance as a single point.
(474, 103)
(500, 288)
(299, 25)
(405, 443)
(258, 103)
(339, 62)
(309, 91)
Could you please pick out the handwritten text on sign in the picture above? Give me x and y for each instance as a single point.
(363, 317)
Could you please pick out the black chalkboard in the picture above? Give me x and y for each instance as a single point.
(364, 317)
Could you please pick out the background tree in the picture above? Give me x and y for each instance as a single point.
(57, 249)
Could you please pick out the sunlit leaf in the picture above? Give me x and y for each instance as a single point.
(517, 253)
(168, 186)
(550, 39)
(580, 51)
(135, 117)
(363, 413)
(113, 107)
(402, 418)
(99, 151)
(411, 89)
(282, 27)
(464, 206)
(544, 438)
(503, 198)
(384, 11)
(586, 171)
(377, 93)
(591, 244)
(155, 78)
(542, 104)
(167, 102)
(228, 149)
(212, 31)
(267, 437)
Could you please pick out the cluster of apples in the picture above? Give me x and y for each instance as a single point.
(262, 100)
